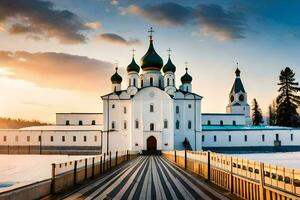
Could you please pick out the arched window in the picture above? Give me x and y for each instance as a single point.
(234, 123)
(80, 122)
(136, 124)
(113, 106)
(125, 110)
(67, 122)
(129, 82)
(142, 83)
(151, 108)
(151, 81)
(115, 88)
(221, 123)
(134, 82)
(177, 124)
(159, 83)
(151, 126)
(173, 81)
(165, 123)
(93, 122)
(125, 125)
(177, 109)
(74, 138)
(113, 125)
(189, 124)
(168, 82)
(208, 123)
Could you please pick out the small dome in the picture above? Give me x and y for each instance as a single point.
(169, 67)
(151, 60)
(186, 78)
(116, 78)
(133, 67)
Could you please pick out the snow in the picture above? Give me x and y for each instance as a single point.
(289, 159)
(25, 169)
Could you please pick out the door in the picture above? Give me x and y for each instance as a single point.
(151, 145)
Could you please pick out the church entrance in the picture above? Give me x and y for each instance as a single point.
(151, 145)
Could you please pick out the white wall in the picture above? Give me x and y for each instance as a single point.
(227, 119)
(74, 118)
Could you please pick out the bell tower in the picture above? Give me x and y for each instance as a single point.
(238, 98)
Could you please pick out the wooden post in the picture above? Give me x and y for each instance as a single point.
(109, 159)
(116, 158)
(262, 191)
(75, 172)
(175, 156)
(100, 164)
(231, 177)
(208, 165)
(93, 169)
(53, 179)
(85, 168)
(185, 159)
(104, 162)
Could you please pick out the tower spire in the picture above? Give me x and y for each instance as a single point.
(151, 31)
(133, 50)
(169, 52)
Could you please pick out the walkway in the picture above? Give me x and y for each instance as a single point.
(146, 177)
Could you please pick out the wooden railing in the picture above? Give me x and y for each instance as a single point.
(245, 178)
(68, 174)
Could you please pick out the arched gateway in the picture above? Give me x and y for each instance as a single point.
(151, 145)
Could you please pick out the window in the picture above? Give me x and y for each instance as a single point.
(4, 138)
(51, 138)
(177, 124)
(234, 123)
(277, 137)
(190, 105)
(136, 124)
(215, 138)
(292, 137)
(134, 82)
(84, 138)
(165, 123)
(263, 138)
(95, 138)
(173, 81)
(17, 138)
(80, 122)
(221, 123)
(40, 138)
(93, 122)
(177, 109)
(125, 110)
(125, 125)
(189, 124)
(67, 122)
(142, 83)
(168, 82)
(151, 127)
(63, 138)
(113, 106)
(151, 108)
(159, 83)
(115, 88)
(74, 138)
(229, 138)
(113, 125)
(208, 123)
(245, 138)
(203, 138)
(151, 81)
(129, 80)
(28, 138)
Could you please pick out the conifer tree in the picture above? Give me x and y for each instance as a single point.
(257, 118)
(272, 113)
(287, 100)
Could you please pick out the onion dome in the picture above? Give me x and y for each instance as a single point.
(186, 78)
(133, 67)
(169, 67)
(116, 78)
(151, 60)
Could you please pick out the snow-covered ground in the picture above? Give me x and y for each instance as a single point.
(290, 159)
(25, 169)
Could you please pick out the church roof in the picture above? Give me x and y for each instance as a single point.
(237, 85)
(151, 60)
(169, 66)
(186, 78)
(116, 78)
(133, 67)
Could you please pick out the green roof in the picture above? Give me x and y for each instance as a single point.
(169, 66)
(116, 78)
(237, 85)
(133, 67)
(151, 60)
(186, 78)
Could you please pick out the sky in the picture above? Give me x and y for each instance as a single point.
(58, 56)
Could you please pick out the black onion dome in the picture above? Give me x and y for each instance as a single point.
(116, 78)
(133, 67)
(186, 78)
(169, 67)
(151, 60)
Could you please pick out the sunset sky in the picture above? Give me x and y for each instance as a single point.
(58, 55)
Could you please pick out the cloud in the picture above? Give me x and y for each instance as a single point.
(117, 39)
(114, 2)
(57, 70)
(94, 25)
(211, 19)
(39, 20)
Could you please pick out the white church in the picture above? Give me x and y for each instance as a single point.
(150, 115)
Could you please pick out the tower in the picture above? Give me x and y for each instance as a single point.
(238, 98)
(169, 76)
(186, 81)
(116, 81)
(133, 70)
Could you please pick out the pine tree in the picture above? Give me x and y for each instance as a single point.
(272, 113)
(257, 118)
(287, 100)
